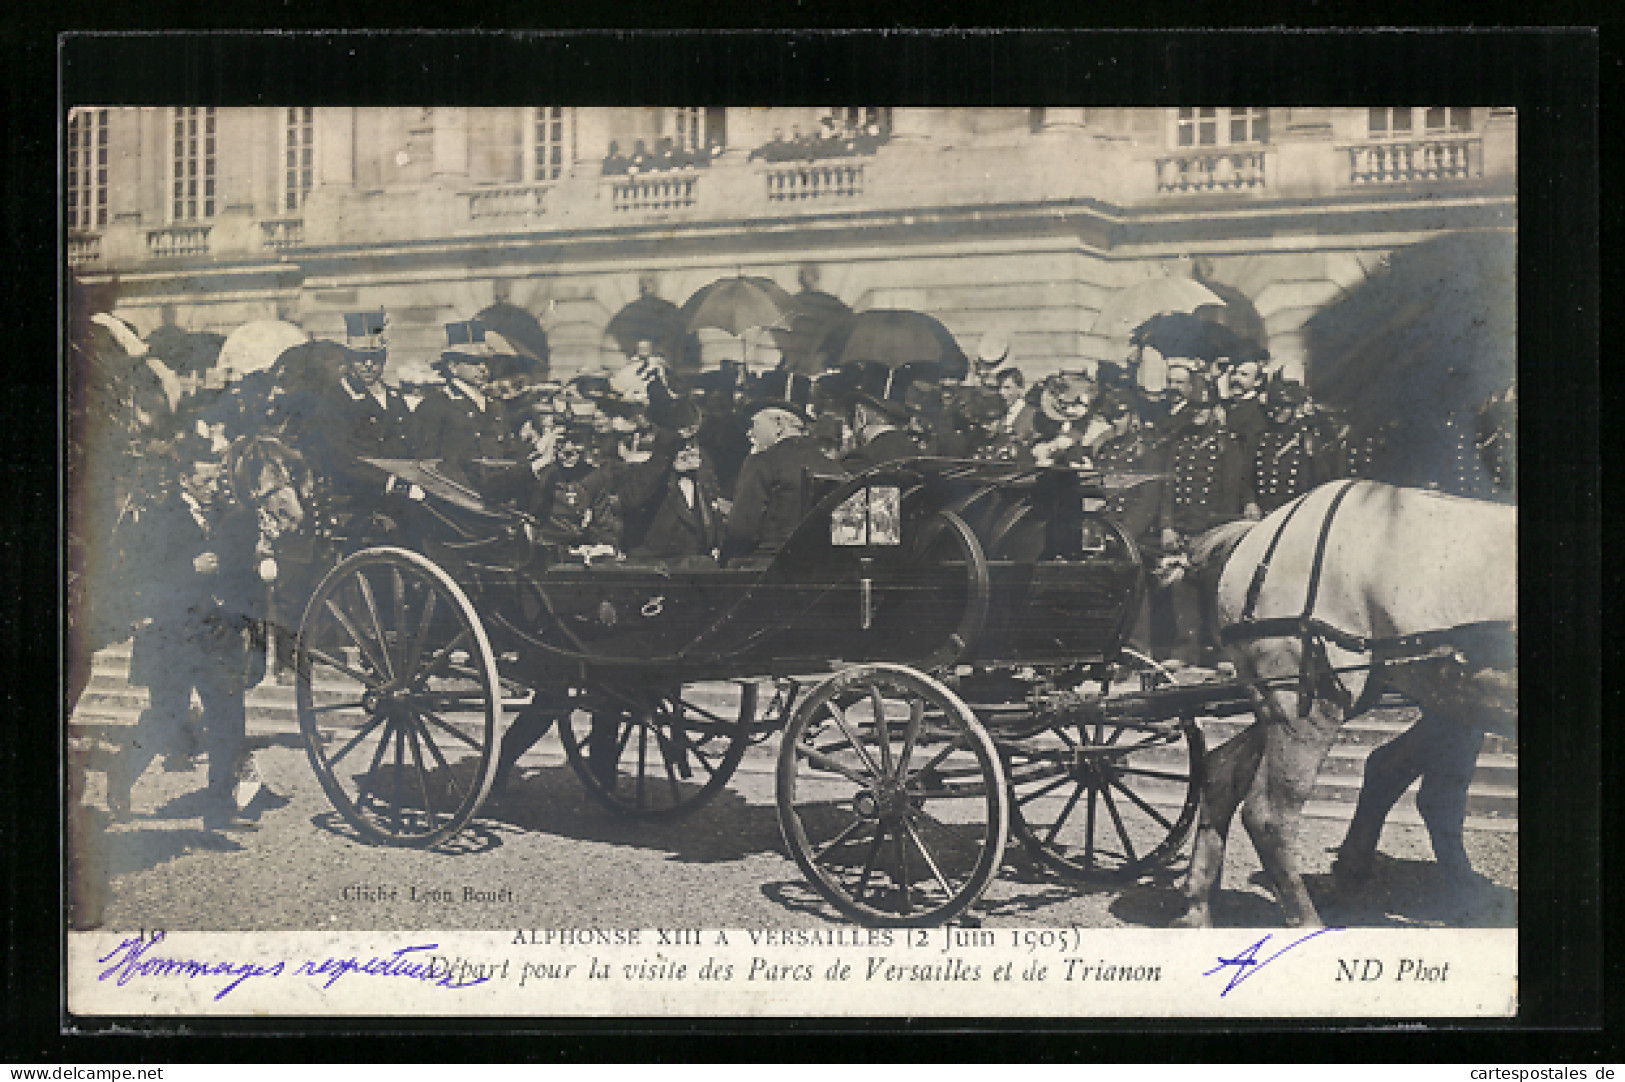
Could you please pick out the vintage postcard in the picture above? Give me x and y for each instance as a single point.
(839, 561)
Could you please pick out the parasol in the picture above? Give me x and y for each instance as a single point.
(738, 304)
(650, 318)
(254, 347)
(185, 351)
(1180, 334)
(520, 329)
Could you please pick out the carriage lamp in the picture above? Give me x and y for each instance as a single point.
(866, 590)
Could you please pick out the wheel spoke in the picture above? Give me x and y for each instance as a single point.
(423, 632)
(818, 758)
(356, 739)
(442, 655)
(1117, 819)
(356, 637)
(333, 662)
(916, 714)
(400, 764)
(1072, 802)
(1141, 803)
(423, 778)
(377, 760)
(953, 745)
(850, 829)
(437, 720)
(882, 733)
(643, 757)
(440, 758)
(869, 862)
(902, 871)
(666, 748)
(397, 589)
(1089, 827)
(852, 738)
(377, 623)
(930, 862)
(1045, 791)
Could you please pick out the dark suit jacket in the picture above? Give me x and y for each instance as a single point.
(196, 619)
(660, 521)
(451, 426)
(350, 425)
(767, 505)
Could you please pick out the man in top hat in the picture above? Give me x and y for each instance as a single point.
(459, 422)
(358, 416)
(768, 501)
(670, 500)
(1297, 450)
(880, 419)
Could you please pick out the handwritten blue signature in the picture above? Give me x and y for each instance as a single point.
(130, 960)
(1247, 963)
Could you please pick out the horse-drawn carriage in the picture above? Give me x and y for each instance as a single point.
(913, 642)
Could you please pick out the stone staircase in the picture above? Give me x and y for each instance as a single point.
(110, 703)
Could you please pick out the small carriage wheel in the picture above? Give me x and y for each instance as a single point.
(659, 756)
(1099, 800)
(398, 697)
(892, 798)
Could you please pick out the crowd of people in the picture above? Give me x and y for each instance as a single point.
(691, 470)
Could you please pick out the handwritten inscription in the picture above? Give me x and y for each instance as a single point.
(1246, 963)
(134, 958)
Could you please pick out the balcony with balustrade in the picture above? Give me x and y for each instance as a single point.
(1431, 159)
(1231, 170)
(178, 241)
(506, 201)
(283, 234)
(814, 181)
(651, 194)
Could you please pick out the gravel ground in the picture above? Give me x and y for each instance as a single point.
(547, 856)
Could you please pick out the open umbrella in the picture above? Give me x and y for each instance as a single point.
(254, 347)
(183, 350)
(648, 318)
(1180, 334)
(893, 337)
(738, 304)
(522, 331)
(816, 314)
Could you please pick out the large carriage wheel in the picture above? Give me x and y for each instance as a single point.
(398, 696)
(892, 797)
(1104, 800)
(659, 756)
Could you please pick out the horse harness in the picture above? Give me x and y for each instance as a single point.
(1314, 633)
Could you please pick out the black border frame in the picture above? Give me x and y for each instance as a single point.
(1554, 79)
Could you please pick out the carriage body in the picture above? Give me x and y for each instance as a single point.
(925, 562)
(952, 604)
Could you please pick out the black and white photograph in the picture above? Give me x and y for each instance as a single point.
(538, 554)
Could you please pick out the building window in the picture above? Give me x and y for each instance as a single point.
(873, 122)
(87, 169)
(1401, 123)
(192, 164)
(298, 158)
(696, 131)
(1210, 127)
(554, 144)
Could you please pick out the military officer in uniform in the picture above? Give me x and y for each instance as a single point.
(458, 422)
(1296, 452)
(358, 416)
(1127, 449)
(1243, 405)
(1207, 486)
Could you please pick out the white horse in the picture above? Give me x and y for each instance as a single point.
(1384, 575)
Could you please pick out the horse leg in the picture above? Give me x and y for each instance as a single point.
(1442, 800)
(1273, 812)
(1389, 771)
(1230, 770)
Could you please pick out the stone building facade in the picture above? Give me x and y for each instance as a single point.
(1039, 223)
